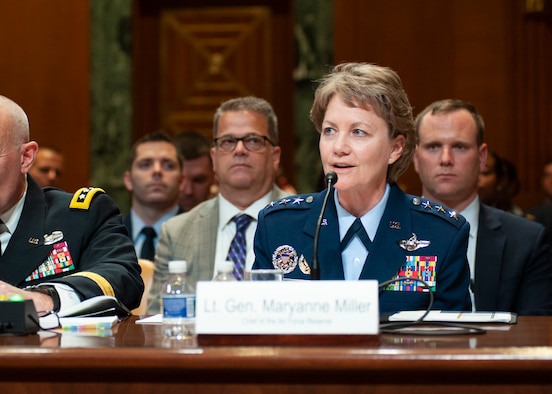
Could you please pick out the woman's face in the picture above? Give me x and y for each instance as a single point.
(355, 144)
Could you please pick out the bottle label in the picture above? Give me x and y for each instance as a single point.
(180, 306)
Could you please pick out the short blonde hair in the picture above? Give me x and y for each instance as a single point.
(365, 85)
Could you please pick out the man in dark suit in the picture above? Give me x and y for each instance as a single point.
(154, 176)
(57, 248)
(509, 256)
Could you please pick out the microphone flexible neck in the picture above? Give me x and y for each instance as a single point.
(331, 179)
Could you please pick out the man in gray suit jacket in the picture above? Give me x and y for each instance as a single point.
(509, 256)
(246, 157)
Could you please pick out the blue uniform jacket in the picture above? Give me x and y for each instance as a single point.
(285, 232)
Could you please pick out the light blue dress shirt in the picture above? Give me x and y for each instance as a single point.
(354, 255)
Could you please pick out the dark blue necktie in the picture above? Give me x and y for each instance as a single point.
(356, 229)
(238, 249)
(148, 248)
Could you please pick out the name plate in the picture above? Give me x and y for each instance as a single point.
(287, 307)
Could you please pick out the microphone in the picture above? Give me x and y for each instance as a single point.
(331, 180)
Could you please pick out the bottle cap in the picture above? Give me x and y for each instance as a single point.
(226, 266)
(178, 266)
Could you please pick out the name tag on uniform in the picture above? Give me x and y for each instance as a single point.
(287, 307)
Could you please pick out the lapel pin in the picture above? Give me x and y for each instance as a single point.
(395, 225)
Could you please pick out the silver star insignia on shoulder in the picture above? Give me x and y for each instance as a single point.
(411, 244)
(298, 200)
(453, 215)
(440, 208)
(426, 204)
(284, 201)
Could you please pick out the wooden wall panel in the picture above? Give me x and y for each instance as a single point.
(486, 52)
(206, 56)
(44, 46)
(532, 92)
(163, 98)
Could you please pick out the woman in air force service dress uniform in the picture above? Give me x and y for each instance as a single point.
(367, 138)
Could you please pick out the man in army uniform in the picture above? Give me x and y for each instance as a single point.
(57, 249)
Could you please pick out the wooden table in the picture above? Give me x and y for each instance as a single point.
(135, 359)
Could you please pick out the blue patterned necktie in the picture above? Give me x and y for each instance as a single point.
(238, 248)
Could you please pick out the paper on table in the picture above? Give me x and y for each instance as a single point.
(155, 319)
(458, 317)
(96, 306)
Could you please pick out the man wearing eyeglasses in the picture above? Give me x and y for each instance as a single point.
(246, 157)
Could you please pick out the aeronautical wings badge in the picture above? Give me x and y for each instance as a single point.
(411, 244)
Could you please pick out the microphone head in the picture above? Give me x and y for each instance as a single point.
(331, 178)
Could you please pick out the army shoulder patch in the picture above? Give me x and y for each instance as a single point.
(83, 197)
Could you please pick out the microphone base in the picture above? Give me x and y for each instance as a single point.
(18, 318)
(314, 274)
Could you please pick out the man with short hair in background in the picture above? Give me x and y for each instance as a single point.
(509, 256)
(48, 166)
(153, 177)
(199, 178)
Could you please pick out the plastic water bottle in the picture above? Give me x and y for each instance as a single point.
(225, 272)
(179, 298)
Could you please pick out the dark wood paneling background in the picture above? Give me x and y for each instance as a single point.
(491, 53)
(44, 57)
(156, 101)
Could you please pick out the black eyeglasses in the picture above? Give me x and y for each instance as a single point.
(252, 142)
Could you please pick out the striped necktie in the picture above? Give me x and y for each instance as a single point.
(238, 249)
